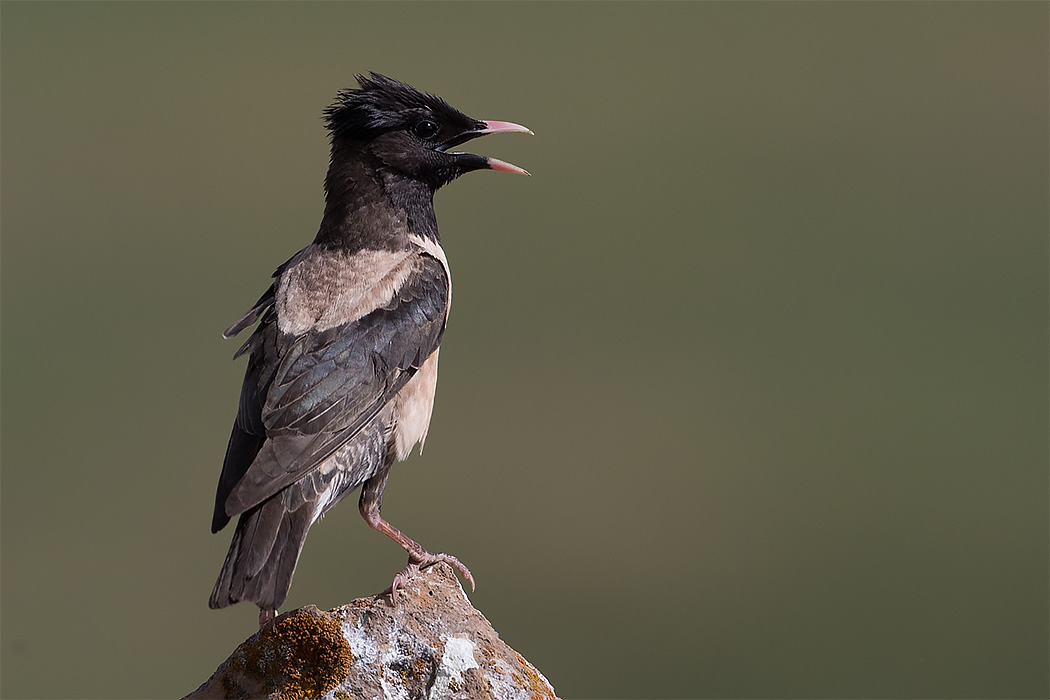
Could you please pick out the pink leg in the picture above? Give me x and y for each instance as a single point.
(266, 617)
(418, 558)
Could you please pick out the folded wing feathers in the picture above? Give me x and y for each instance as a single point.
(330, 384)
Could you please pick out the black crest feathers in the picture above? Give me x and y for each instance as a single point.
(382, 104)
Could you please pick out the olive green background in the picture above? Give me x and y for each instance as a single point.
(743, 394)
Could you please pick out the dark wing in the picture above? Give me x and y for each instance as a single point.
(249, 433)
(327, 385)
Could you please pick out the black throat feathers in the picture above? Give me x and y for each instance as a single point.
(367, 205)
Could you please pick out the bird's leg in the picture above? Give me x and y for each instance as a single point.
(418, 558)
(266, 617)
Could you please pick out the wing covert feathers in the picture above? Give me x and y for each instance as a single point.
(330, 384)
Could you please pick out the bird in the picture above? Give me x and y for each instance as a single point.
(342, 364)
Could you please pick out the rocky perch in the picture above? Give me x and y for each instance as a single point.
(433, 644)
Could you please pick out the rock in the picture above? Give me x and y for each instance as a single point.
(432, 645)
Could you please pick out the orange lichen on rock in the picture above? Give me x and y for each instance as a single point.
(303, 654)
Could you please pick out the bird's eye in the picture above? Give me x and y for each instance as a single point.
(425, 129)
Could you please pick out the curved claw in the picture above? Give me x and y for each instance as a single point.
(454, 563)
(400, 579)
(425, 561)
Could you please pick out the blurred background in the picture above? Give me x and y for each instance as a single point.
(743, 394)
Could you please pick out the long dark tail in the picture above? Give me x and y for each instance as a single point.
(263, 555)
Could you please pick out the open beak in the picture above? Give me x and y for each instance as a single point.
(470, 161)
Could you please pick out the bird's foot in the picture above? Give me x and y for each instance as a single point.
(424, 560)
(266, 617)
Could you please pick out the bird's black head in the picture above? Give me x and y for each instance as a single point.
(409, 131)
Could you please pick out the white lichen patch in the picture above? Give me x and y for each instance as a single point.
(390, 692)
(363, 647)
(457, 660)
